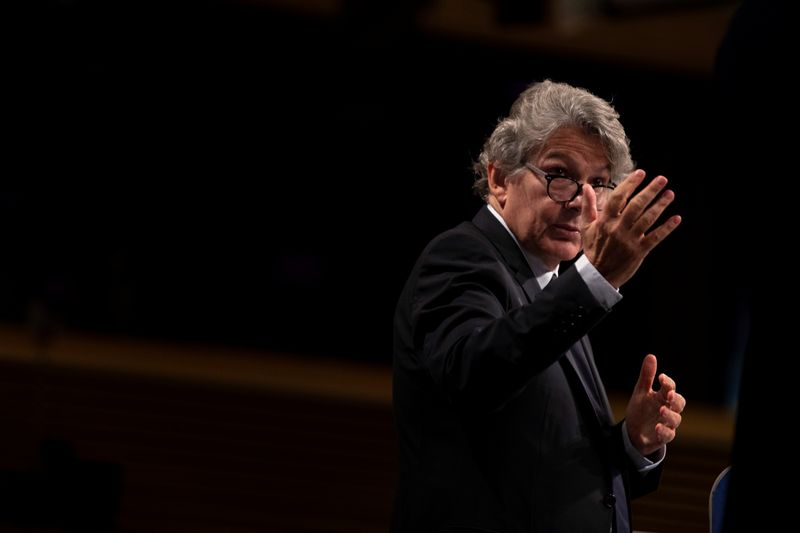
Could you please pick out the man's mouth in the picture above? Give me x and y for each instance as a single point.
(567, 227)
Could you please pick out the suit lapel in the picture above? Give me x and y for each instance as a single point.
(603, 406)
(579, 357)
(508, 248)
(581, 363)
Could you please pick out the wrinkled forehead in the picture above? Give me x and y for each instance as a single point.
(574, 145)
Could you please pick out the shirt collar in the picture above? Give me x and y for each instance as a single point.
(540, 271)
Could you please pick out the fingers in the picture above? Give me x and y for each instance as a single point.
(669, 418)
(669, 414)
(664, 434)
(617, 240)
(660, 233)
(651, 214)
(667, 386)
(637, 205)
(647, 374)
(589, 211)
(639, 214)
(619, 198)
(667, 394)
(676, 402)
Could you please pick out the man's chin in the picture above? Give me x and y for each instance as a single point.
(564, 250)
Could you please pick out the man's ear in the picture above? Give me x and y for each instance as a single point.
(497, 184)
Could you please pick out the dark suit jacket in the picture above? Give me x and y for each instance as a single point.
(503, 423)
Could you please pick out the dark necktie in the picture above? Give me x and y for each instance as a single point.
(589, 375)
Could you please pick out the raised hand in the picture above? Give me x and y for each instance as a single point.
(652, 417)
(617, 239)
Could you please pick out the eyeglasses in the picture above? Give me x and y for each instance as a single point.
(563, 189)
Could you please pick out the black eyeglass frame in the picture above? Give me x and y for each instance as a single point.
(549, 177)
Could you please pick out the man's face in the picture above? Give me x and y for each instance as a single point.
(549, 229)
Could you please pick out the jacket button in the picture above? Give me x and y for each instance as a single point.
(609, 500)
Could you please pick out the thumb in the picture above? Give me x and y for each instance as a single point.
(589, 211)
(648, 373)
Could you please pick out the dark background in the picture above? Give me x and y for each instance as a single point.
(234, 174)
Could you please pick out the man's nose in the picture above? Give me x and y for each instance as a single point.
(577, 202)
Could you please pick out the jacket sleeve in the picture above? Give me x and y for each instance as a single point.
(637, 483)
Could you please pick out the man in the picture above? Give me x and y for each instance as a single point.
(503, 422)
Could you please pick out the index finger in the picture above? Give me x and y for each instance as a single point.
(641, 200)
(589, 211)
(666, 382)
(619, 197)
(667, 386)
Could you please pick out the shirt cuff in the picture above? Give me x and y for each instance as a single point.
(602, 290)
(642, 463)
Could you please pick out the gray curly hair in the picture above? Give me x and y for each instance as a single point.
(536, 114)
